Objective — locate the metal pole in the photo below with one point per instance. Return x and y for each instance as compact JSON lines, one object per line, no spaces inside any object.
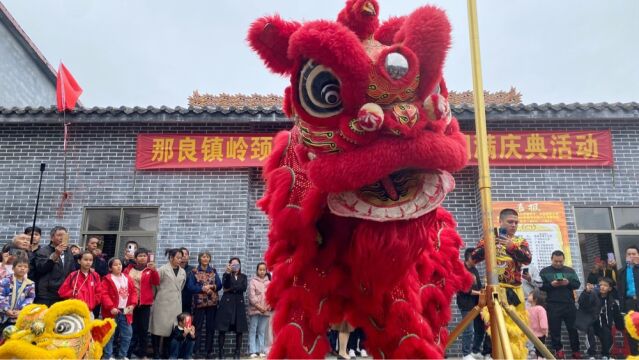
{"x":529,"y":334}
{"x":35,"y":214}
{"x":466,"y":321}
{"x":499,"y":336}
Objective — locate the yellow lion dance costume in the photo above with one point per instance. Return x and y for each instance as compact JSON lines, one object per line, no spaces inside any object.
{"x":63,"y":331}
{"x":632,"y":327}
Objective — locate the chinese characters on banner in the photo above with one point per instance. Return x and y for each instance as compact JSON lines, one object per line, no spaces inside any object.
{"x":545,"y":148}
{"x":517,"y":148}
{"x":193,"y":151}
{"x":543,"y":224}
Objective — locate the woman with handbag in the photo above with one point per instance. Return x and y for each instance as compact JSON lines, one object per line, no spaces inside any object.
{"x":203,"y":282}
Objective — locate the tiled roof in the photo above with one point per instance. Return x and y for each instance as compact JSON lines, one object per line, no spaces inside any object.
{"x":239,"y":100}
{"x":274,"y":114}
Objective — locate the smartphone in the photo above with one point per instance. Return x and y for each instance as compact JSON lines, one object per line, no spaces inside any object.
{"x":188,"y":322}
{"x":503,"y":232}
{"x":611,"y":257}
{"x":151,"y":257}
{"x":65,"y":238}
{"x":235,"y":267}
{"x":559,"y":276}
{"x":130,"y":249}
{"x":525,"y":270}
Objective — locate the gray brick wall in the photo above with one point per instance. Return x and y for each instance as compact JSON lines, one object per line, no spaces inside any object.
{"x":22,"y":82}
{"x":215,"y":209}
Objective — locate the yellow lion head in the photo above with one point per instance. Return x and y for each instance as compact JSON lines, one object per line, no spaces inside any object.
{"x":63,"y":331}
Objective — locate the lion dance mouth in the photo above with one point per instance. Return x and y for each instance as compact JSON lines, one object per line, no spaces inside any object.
{"x":403,"y":195}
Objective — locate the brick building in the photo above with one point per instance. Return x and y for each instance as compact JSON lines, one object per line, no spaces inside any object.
{"x":214,"y":209}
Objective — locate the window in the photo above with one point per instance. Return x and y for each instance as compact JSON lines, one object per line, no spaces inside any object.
{"x":115,"y":227}
{"x":605,"y":232}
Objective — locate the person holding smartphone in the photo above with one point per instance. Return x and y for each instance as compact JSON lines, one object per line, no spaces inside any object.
{"x":231,"y":313}
{"x":53,"y":263}
{"x":512,"y":253}
{"x":560,"y":282}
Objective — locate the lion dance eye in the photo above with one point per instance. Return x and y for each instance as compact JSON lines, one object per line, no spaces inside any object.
{"x":396,"y":65}
{"x":68,"y":324}
{"x":319,"y":91}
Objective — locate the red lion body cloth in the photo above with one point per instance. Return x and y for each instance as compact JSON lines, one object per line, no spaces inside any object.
{"x":353,"y":190}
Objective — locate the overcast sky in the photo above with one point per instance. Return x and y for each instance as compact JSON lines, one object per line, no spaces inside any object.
{"x":156,"y":52}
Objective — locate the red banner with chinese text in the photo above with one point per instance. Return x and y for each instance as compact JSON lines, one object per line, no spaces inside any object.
{"x":201,"y":151}
{"x":545,"y":148}
{"x":516,"y":148}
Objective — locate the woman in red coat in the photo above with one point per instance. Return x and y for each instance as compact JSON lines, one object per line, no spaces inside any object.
{"x":144,"y":276}
{"x":119,"y":298}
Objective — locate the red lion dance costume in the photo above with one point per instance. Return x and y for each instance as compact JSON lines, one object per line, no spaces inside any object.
{"x":354,"y":188}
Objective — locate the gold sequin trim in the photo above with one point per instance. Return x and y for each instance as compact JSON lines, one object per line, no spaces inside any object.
{"x":407,"y":337}
{"x":304,"y":346}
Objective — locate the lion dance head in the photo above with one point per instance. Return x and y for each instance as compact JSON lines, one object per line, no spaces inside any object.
{"x":63,"y":331}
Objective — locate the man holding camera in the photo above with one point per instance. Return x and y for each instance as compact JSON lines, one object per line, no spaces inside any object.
{"x":512,"y":253}
{"x":560,"y":282}
{"x":53,"y":263}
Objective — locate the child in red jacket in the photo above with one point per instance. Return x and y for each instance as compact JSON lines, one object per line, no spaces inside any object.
{"x":119,"y":298}
{"x":145,"y":277}
{"x":83,"y":284}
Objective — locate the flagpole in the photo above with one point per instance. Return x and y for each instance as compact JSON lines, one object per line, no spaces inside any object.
{"x":35,"y":213}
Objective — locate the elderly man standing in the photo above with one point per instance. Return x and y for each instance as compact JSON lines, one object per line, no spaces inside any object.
{"x":512,"y":253}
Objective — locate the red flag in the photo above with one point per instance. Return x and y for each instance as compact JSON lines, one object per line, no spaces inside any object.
{"x":67,"y":89}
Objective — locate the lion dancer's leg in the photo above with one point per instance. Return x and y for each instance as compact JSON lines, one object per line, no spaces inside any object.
{"x":516,"y":337}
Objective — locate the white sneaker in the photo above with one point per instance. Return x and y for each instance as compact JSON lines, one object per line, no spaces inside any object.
{"x":476,"y":355}
{"x":363,"y":353}
{"x":488,"y":357}
{"x":262,"y":355}
{"x":351,"y":353}
{"x":253,"y":356}
{"x":468,"y":357}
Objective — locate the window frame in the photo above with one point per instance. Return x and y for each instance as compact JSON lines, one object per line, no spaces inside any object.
{"x":613,"y":232}
{"x":85,"y":233}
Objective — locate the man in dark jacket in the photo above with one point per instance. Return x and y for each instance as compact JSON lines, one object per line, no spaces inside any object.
{"x":628,"y":289}
{"x":53,"y":263}
{"x":466,"y":301}
{"x":559,"y":282}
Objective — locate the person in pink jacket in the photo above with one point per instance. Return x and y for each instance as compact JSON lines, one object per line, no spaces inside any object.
{"x":259,"y":311}
{"x":537,"y":317}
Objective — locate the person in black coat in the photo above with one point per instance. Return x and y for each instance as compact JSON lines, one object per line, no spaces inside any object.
{"x":231,"y":312}
{"x":53,"y":263}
